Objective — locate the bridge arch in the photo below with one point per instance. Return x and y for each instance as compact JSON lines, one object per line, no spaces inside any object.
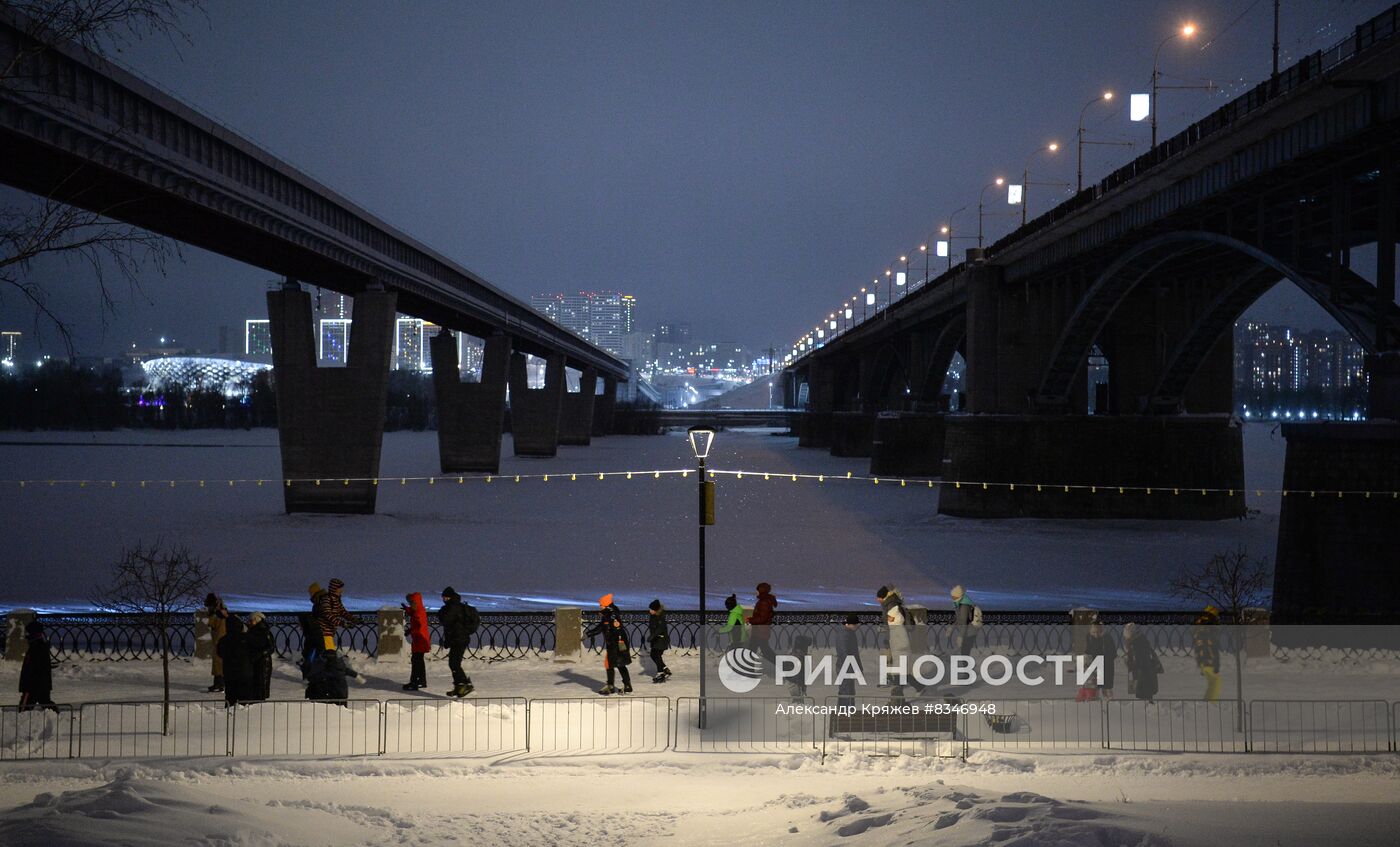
{"x":1350,"y":300}
{"x":889,"y":379}
{"x":934,"y":370}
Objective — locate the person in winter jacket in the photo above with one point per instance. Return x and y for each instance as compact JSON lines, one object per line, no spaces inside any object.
{"x":459,"y":620}
{"x":312,"y":641}
{"x":238,"y":663}
{"x":332,"y":615}
{"x":897,"y":622}
{"x":1205,"y":643}
{"x":261,"y":646}
{"x":735,"y":626}
{"x":659,"y":639}
{"x":216,"y":616}
{"x":847,"y":659}
{"x":963,"y":615}
{"x":761,"y":622}
{"x":617,"y":652}
{"x":1099,"y":644}
{"x":420,"y":640}
{"x":36,"y":673}
{"x":328,"y":680}
{"x":801,"y":646}
{"x":1140,"y":657}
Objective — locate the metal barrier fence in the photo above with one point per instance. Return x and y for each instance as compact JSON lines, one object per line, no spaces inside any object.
{"x":746,"y":725}
{"x":1182,"y":726}
{"x":600,"y":725}
{"x":458,"y":727}
{"x":142,"y":729}
{"x":44,"y":732}
{"x":867,"y":725}
{"x":1320,"y":726}
{"x":305,"y":728}
{"x":1061,"y":724}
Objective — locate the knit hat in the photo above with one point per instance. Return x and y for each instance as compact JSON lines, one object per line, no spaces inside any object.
{"x":852,"y":619}
{"x":255,"y":618}
{"x":764,"y":588}
{"x":314,"y":588}
{"x":335,"y":584}
{"x":211,"y":600}
{"x":605,"y":601}
{"x":957,"y":592}
{"x":449,"y":591}
{"x":654,"y":605}
{"x":33,"y":628}
{"x":1212,"y":611}
{"x":731,"y":601}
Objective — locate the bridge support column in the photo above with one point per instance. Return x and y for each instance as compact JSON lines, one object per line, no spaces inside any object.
{"x":1336,"y":555}
{"x":470,"y":415}
{"x":1027,"y":460}
{"x":1005,"y":345}
{"x":330,"y":421}
{"x":907,"y":444}
{"x":1383,"y":393}
{"x":576,"y":417}
{"x":815,"y":426}
{"x":535,"y":412}
{"x":603,"y":408}
{"x":852,"y":433}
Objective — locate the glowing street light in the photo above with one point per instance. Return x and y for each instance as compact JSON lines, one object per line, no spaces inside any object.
{"x":1026,"y":176}
{"x":981,"y":201}
{"x":1185,"y":32}
{"x":702,"y":438}
{"x":1105,"y":98}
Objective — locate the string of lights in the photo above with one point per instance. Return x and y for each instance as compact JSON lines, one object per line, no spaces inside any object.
{"x":914,"y":483}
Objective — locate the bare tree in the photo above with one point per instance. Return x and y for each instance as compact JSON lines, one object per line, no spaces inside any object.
{"x":1232,"y":582}
{"x":50,"y":228}
{"x":155,"y":584}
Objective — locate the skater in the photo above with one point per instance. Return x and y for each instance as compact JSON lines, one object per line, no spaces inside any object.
{"x":331,"y":614}
{"x":312,"y":641}
{"x":735,"y":626}
{"x":1205,"y":642}
{"x":420,"y":641}
{"x":216,"y":616}
{"x":459,"y":622}
{"x":617,"y":652}
{"x":36,"y":674}
{"x":761,"y":622}
{"x":897,"y":623}
{"x":966,"y":619}
{"x":238,"y":663}
{"x":659,"y":639}
{"x":328,"y":680}
{"x":1100,"y":644}
{"x":1140,"y":657}
{"x":847,"y":660}
{"x":260,"y":648}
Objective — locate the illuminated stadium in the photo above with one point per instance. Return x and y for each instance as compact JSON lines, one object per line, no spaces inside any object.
{"x":201,"y":372}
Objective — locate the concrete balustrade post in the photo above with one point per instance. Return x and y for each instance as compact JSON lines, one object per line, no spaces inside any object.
{"x":389,"y":623}
{"x":568,"y":634}
{"x":16,"y":643}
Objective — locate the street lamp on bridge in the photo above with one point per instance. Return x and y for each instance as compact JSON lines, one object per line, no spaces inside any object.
{"x":1105,"y":98}
{"x":1185,"y":32}
{"x":1026,"y":176}
{"x":981,"y":201}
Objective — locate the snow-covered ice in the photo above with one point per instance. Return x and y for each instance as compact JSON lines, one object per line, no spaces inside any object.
{"x":537,"y":544}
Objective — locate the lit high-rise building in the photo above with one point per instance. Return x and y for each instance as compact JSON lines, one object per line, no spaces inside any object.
{"x":601,"y":317}
{"x":409,"y":351}
{"x":257,"y":338}
{"x":9,"y":344}
{"x":333,"y":341}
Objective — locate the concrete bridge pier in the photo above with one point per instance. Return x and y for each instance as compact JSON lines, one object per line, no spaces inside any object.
{"x":535,"y":412}
{"x":1026,"y":461}
{"x":1336,"y":554}
{"x":471,"y":415}
{"x":815,"y":426}
{"x":576,"y":416}
{"x":907,"y":444}
{"x":330,"y":421}
{"x":604,"y":406}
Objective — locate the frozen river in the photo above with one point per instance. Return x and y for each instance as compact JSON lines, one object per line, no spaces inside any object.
{"x":536,"y":544}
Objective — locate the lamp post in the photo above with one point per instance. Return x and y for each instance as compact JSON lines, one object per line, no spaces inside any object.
{"x":889,"y":289}
{"x":948,"y":233}
{"x":1185,"y":32}
{"x":862,"y":304}
{"x":923,"y":248}
{"x":1026,"y":177}
{"x":1079,"y":180}
{"x":905,"y":260}
{"x":702,"y":438}
{"x":981,"y":201}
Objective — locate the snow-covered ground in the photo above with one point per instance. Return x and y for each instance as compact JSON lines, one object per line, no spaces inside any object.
{"x":537,"y":544}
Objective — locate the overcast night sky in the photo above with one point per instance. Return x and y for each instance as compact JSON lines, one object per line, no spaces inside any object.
{"x":743,"y":166}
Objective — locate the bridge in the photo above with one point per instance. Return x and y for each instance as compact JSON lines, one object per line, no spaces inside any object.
{"x":1150,"y":269}
{"x":80,"y":130}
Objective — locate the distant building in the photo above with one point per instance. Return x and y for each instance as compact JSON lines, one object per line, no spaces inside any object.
{"x":9,"y":345}
{"x":333,"y":341}
{"x":410,"y":353}
{"x":257,"y":338}
{"x":604,"y":318}
{"x":673,"y":333}
{"x":1280,"y":371}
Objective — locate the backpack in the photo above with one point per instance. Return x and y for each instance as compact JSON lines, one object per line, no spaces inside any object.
{"x":473,"y":618}
{"x":976,"y":615}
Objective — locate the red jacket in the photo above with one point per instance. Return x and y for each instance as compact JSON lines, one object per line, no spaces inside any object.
{"x":415,"y":619}
{"x":764,"y":606}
